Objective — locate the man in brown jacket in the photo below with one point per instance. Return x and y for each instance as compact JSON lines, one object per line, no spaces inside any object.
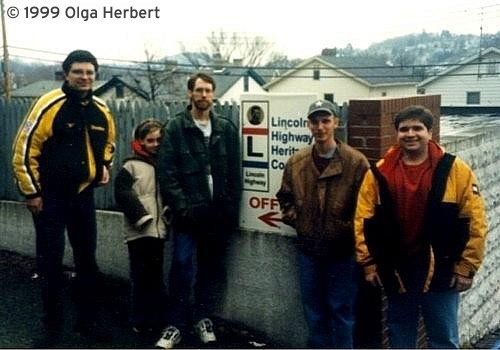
{"x":318,"y":198}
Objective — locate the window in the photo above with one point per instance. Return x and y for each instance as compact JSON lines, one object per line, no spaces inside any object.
{"x":120,"y":91}
{"x":329,"y":97}
{"x":245,"y":83}
{"x":473,"y":97}
{"x":491,"y":68}
{"x":316,"y":74}
{"x":384,"y":93}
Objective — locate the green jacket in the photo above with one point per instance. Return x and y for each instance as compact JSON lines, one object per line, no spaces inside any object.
{"x":183,"y":164}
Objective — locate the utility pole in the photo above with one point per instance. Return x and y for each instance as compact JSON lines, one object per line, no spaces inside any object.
{"x":6,"y":75}
{"x":479,"y":57}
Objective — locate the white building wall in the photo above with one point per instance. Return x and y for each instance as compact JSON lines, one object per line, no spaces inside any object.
{"x":342,"y":87}
{"x":453,"y":88}
{"x":394,"y":91}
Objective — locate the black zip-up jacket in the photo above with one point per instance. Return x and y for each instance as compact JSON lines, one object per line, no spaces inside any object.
{"x":183,"y":164}
{"x":63,"y":144}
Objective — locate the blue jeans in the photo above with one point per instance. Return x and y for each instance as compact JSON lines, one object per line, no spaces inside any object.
{"x":209,"y":252}
{"x":329,"y":291}
{"x":439,"y":310}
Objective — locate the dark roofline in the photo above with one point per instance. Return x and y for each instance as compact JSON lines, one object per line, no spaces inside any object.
{"x":117,"y":80}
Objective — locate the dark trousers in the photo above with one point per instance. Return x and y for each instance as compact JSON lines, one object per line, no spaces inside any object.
{"x":147,"y":281}
{"x":209,"y":251}
{"x":75,"y":214}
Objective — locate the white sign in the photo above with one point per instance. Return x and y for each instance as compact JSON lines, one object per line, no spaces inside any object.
{"x":273,"y":127}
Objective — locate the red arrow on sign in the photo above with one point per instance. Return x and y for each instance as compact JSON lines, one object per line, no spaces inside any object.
{"x":269,"y":218}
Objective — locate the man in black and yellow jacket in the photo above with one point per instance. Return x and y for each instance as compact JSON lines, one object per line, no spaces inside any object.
{"x":420,"y":229}
{"x":64,"y":148}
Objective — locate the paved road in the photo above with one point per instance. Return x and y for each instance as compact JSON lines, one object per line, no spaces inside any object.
{"x":20,"y":311}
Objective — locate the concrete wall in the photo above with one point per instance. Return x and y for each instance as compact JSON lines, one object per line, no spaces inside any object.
{"x":479,"y":307}
{"x":262,"y":289}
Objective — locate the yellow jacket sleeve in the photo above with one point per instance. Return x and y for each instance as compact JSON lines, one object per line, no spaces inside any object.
{"x":471,"y":205}
{"x":34,"y":130}
{"x":368,"y":198}
{"x":109,"y":150}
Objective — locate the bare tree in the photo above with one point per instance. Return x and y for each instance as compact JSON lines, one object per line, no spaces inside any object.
{"x":281,"y":61}
{"x":222,"y":45}
{"x":225,"y":47}
{"x":195,"y":59}
{"x":255,"y":50}
{"x":160,"y":77}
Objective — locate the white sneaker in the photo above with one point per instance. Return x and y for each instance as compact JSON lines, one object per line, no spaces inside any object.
{"x":205,"y":330}
{"x":170,"y":337}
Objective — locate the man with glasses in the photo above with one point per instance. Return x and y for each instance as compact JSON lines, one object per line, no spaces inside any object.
{"x":199,"y":172}
{"x":63,"y":150}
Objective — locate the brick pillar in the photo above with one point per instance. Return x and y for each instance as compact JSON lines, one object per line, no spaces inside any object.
{"x":370,"y":122}
{"x":371,"y":130}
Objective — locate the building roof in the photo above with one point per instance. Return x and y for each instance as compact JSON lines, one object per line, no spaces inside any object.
{"x":374,"y":71}
{"x":116,"y":80}
{"x":225,"y":79}
{"x":468,"y":60}
{"x":366,"y":70}
{"x":38,"y":88}
{"x":41,"y":87}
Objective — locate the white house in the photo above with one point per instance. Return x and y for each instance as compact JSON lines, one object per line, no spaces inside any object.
{"x":473,"y":82}
{"x":340,"y":79}
{"x":232,"y":82}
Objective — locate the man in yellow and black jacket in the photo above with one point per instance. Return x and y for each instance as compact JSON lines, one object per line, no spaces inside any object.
{"x":64,"y":148}
{"x":420,"y":229}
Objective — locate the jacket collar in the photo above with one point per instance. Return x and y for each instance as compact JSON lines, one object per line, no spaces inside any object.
{"x":336,"y":165}
{"x":188,"y":122}
{"x":388,"y":163}
{"x":74,"y":95}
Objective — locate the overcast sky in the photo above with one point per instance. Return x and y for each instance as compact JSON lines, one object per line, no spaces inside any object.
{"x":298,"y":29}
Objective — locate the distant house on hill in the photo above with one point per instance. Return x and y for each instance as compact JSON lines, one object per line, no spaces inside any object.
{"x":115,"y":88}
{"x":340,"y":79}
{"x":471,"y":85}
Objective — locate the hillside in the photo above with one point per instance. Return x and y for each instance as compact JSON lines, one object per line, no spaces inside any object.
{"x":431,"y":48}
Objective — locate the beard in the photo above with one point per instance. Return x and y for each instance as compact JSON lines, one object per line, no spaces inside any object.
{"x":202,"y":105}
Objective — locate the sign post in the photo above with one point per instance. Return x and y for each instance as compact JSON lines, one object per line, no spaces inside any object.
{"x":273,"y":127}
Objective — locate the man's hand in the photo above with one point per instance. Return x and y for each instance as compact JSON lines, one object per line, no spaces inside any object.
{"x":289,"y":216}
{"x":373,"y":278}
{"x":35,"y":205}
{"x":460,"y":283}
{"x":105,"y":176}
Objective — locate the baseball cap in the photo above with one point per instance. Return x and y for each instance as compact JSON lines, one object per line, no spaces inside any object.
{"x":323,"y":106}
